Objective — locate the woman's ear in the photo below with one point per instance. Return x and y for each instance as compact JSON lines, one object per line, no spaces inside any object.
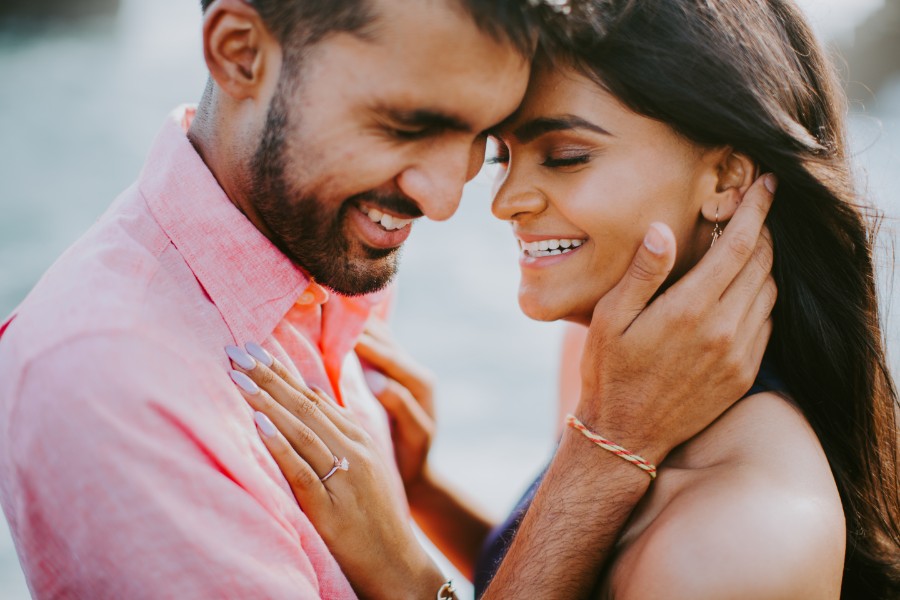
{"x":237,"y":47}
{"x":731,"y":175}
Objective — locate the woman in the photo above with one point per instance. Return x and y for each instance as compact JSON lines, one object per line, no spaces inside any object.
{"x":654,"y":110}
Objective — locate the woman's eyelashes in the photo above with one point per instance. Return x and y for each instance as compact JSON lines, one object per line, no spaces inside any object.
{"x":551,"y":156}
{"x":553,"y":162}
{"x":570,"y":160}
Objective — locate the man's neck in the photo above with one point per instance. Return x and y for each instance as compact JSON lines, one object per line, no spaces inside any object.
{"x":212,"y":142}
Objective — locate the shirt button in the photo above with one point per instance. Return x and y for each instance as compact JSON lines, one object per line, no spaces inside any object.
{"x":306,"y":298}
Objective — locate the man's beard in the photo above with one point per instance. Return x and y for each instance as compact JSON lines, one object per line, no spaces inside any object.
{"x":312,"y":232}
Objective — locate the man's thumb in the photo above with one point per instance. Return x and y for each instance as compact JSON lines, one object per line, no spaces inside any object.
{"x":648,"y":270}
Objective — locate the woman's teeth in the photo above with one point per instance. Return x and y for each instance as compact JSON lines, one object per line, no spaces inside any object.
{"x":549,"y":247}
{"x":385,"y":220}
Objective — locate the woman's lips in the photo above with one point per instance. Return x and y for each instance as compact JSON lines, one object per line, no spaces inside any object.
{"x":548,"y":251}
{"x":540,"y":248}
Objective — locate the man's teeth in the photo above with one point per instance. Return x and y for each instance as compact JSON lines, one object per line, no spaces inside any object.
{"x":549,"y":247}
{"x":387,"y":221}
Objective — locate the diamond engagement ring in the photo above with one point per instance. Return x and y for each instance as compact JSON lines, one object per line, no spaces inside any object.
{"x":340,"y":464}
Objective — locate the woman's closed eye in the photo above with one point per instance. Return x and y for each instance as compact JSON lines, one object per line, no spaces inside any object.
{"x":554,"y":159}
{"x":568,"y":157}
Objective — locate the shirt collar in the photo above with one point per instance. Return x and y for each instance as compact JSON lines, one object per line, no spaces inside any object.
{"x":251,"y":282}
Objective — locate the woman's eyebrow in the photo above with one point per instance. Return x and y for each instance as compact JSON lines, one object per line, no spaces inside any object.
{"x":535,"y":128}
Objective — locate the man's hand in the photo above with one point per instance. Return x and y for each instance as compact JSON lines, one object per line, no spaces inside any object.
{"x":655,"y":376}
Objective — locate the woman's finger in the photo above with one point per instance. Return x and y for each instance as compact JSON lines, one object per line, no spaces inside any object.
{"x":396,"y":364}
{"x":265,"y":357}
{"x":303,"y":403}
{"x":302,"y":478}
{"x":338,"y":414}
{"x":402,"y":407}
{"x":302,"y":438}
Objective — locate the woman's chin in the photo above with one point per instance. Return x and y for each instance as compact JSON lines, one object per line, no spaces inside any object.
{"x":541,"y":310}
{"x":537,"y":310}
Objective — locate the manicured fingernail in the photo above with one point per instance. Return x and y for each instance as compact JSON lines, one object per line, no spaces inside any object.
{"x":376,"y":380}
{"x":266,"y":426}
{"x":259,"y":353}
{"x":771,"y":183}
{"x":240,"y":358}
{"x":245,"y":383}
{"x":654,"y":240}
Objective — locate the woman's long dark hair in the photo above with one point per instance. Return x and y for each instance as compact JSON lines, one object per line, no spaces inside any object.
{"x":750,"y":74}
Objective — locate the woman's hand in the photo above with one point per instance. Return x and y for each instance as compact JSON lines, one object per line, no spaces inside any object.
{"x":356,"y":510}
{"x":406,"y":390}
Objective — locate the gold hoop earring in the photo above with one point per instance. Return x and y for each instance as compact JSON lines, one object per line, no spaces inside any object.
{"x":717,"y":231}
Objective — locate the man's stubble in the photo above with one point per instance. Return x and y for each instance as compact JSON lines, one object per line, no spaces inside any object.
{"x":310,"y":231}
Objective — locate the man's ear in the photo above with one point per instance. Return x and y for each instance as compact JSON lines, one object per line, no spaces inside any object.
{"x":731,"y":175}
{"x":238,"y":48}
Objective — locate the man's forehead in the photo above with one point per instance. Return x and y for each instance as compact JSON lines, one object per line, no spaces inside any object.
{"x":503,"y":21}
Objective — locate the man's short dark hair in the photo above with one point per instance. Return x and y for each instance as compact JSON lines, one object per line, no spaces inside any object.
{"x":305,"y":22}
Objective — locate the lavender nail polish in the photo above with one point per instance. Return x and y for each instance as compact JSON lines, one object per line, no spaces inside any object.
{"x":244,"y":382}
{"x":265,"y":425}
{"x":259,"y":353}
{"x":240,"y":358}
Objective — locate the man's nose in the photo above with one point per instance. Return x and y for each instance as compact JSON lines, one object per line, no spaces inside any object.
{"x":436,"y":180}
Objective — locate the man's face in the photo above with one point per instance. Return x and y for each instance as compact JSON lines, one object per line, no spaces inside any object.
{"x":366,"y":135}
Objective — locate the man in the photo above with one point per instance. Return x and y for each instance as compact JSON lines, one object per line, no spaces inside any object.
{"x":130,"y":463}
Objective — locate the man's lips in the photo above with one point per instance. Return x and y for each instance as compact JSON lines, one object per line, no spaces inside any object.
{"x":391,"y":221}
{"x":386,"y":233}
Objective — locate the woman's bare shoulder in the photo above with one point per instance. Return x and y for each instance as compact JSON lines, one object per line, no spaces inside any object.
{"x":748,"y":509}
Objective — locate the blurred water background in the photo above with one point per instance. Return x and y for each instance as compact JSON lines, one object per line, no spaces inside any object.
{"x":82,"y":96}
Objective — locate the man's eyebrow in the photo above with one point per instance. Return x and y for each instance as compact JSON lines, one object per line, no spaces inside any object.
{"x":535,"y":128}
{"x":428,"y":119}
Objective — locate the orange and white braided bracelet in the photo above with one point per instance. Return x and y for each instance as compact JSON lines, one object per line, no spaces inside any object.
{"x":646,"y":466}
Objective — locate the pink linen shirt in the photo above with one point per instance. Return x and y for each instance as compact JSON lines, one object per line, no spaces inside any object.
{"x":130,"y":466}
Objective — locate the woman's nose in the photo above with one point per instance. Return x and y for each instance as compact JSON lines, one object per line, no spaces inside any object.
{"x":516,"y":196}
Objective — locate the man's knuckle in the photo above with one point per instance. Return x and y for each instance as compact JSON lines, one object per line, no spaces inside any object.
{"x":761,"y":208}
{"x":742,"y":245}
{"x":689,"y":316}
{"x":643,"y":271}
{"x":723,"y":338}
{"x":762,"y":256}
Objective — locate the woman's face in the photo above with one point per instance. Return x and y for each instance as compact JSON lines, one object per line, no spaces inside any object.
{"x":581,"y":178}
